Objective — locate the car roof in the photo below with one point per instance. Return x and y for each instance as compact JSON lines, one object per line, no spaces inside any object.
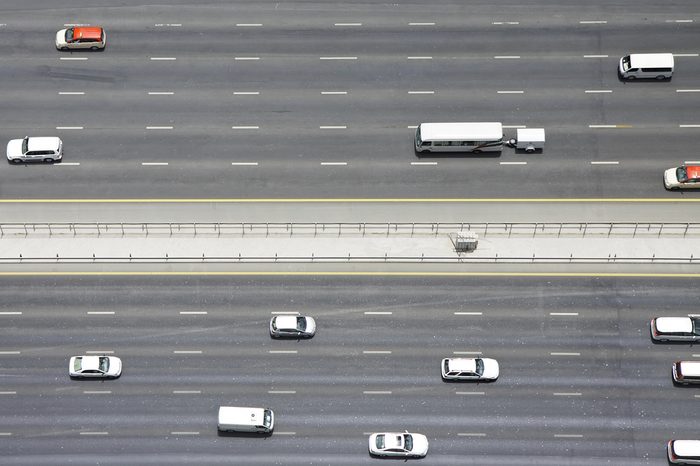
{"x":90,"y":363}
{"x":692,"y":367}
{"x":651,"y":60}
{"x":43,"y":143}
{"x":463,"y":364}
{"x":686,"y":447}
{"x":287,"y":321}
{"x":87,"y":32}
{"x":693,"y":171}
{"x":393,"y":440}
{"x":674,"y":324}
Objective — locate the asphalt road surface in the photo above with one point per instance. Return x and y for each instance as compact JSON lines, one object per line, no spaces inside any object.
{"x":318,"y":100}
{"x":581,"y":382}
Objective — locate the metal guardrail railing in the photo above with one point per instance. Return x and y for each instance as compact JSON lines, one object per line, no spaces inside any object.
{"x":610,"y":259}
{"x":360,"y":229}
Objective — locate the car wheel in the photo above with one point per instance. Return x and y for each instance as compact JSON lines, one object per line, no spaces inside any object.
{"x":64,"y":48}
{"x":476,"y":151}
{"x":631,"y":78}
{"x":16,"y":161}
{"x":94,"y":48}
{"x":48,"y":160}
{"x":660,"y":77}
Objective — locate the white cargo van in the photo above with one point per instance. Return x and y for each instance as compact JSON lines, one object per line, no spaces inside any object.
{"x":236,"y":419}
{"x":646,"y":66}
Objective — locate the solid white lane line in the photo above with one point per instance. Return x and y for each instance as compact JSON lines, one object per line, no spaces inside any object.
{"x":94,"y":433}
{"x":161,"y":93}
{"x":97,"y":392}
{"x":512,"y":163}
{"x":598,"y":91}
{"x":563,"y":313}
{"x":70,"y":93}
{"x":283,"y":351}
{"x":689,"y":126}
{"x":602,"y":126}
{"x":566,"y":394}
{"x":334,"y":164}
{"x":99,"y":352}
{"x":605,"y":162}
{"x":69,"y":127}
{"x":465,"y":313}
{"x":378,"y":313}
{"x":564,"y":354}
{"x":470,"y":393}
{"x":421,"y":92}
{"x":471,"y":434}
{"x":73,"y":58}
{"x":184,"y":433}
{"x":10,"y":352}
{"x":421,"y":24}
{"x":333,"y":127}
{"x":593,"y":22}
{"x":11,"y":313}
{"x":281,"y":392}
{"x":193,"y":313}
{"x":687,"y":90}
{"x":595,"y":56}
{"x":246,"y":93}
{"x":334,"y":92}
{"x":467,"y":352}
{"x":246,"y":58}
{"x":163,"y":58}
{"x":685,"y":54}
{"x":375,"y":352}
{"x":154,"y":164}
{"x":510,"y":92}
{"x":284,"y":312}
{"x":568,"y":435}
{"x":419,"y":58}
{"x":347,"y":24}
{"x":338,"y":58}
{"x":67,"y":164}
{"x":244,"y":164}
{"x":159,"y":127}
{"x":245,"y":127}
{"x":506,"y":57}
{"x":187,"y":351}
{"x":187,"y":392}
{"x":377,"y":392}
{"x":101,"y":313}
{"x":424,"y":163}
{"x":248,"y":25}
{"x":8,"y":393}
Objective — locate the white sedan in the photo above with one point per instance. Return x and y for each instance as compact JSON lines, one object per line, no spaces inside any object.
{"x":292,"y":326}
{"x":103,"y":367}
{"x":470,"y":369}
{"x":398,"y":444}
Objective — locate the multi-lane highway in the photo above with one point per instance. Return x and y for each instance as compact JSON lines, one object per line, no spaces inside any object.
{"x":581,"y":382}
{"x":319,"y":100}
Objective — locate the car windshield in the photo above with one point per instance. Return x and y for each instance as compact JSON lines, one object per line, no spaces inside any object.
{"x":696,"y":325}
{"x":25,"y":145}
{"x":479,"y":366}
{"x":77,"y":364}
{"x":380,"y":441}
{"x":408,"y":442}
{"x":301,"y":323}
{"x":104,"y":364}
{"x":681,"y":174}
{"x":626,"y":63}
{"x":69,"y":35}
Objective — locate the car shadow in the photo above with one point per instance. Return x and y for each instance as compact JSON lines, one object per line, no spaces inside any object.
{"x":244,"y":434}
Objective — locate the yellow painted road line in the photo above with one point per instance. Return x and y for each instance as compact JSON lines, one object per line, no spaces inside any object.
{"x":345,"y":274}
{"x":344,"y":200}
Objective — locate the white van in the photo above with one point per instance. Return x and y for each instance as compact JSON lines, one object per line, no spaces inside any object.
{"x":236,"y":419}
{"x":686,"y":372}
{"x":646,"y":66}
{"x":683,"y":451}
